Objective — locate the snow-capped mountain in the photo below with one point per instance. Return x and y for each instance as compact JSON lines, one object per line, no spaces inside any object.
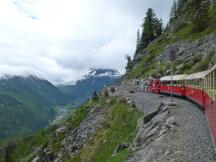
{"x":24,"y":76}
{"x":28,"y":101}
{"x":92,"y":73}
{"x":95,"y":80}
{"x":103,"y":73}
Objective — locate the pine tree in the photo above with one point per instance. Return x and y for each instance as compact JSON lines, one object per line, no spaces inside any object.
{"x":95,"y":96}
{"x":149,"y":24}
{"x":204,"y":7}
{"x":138,"y":43}
{"x":7,"y":152}
{"x":158,"y":27}
{"x":148,"y":28}
{"x":213,"y":3}
{"x":129,"y":61}
{"x":180,"y":5}
{"x":174,"y":9}
{"x":201,"y":11}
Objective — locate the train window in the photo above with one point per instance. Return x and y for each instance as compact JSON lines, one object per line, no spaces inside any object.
{"x":190,"y":82}
{"x":167,"y":83}
{"x":181,"y":83}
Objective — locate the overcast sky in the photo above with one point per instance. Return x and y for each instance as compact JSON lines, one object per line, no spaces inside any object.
{"x":61,"y":39}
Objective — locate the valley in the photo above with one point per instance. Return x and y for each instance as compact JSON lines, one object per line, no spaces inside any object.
{"x":160,"y":104}
{"x":29,"y":103}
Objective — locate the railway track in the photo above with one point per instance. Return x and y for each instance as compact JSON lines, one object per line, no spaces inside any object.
{"x":192,"y":142}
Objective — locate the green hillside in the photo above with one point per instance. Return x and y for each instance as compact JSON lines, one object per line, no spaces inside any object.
{"x":26,"y":105}
{"x":120,"y":126}
{"x":183,"y":28}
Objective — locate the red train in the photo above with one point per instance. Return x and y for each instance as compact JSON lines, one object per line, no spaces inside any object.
{"x":198,"y":87}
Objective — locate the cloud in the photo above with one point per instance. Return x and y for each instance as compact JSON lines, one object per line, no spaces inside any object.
{"x":61,"y":39}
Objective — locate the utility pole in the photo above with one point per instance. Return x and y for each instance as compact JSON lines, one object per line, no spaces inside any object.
{"x":172,"y":57}
{"x":171,"y":100}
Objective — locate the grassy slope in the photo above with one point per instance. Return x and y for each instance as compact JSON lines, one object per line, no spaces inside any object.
{"x":22,"y":146}
{"x":119,"y":127}
{"x":26,"y":145}
{"x":158,"y":46}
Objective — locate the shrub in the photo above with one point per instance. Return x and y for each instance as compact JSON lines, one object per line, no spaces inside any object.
{"x":112,"y":89}
{"x":106,"y":94}
{"x":95,"y":96}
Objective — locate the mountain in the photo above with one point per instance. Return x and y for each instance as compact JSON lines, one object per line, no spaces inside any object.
{"x":26,"y":104}
{"x":192,"y":39}
{"x":76,"y":139}
{"x":95,"y":80}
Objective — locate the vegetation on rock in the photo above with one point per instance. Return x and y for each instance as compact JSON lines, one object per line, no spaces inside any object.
{"x":118,"y":127}
{"x":183,"y":28}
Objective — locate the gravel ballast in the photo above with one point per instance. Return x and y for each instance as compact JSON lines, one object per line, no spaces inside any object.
{"x":190,"y":141}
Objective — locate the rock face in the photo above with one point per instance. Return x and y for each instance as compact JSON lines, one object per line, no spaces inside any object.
{"x":78,"y":138}
{"x":188,"y":51}
{"x":150,"y":134}
{"x":213,"y":61}
{"x":74,"y":139}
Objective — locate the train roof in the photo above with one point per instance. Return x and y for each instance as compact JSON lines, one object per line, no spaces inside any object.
{"x":199,"y":75}
{"x":175,"y":77}
{"x":212,"y":69}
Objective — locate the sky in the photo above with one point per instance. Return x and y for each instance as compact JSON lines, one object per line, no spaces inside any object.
{"x":60,"y":40}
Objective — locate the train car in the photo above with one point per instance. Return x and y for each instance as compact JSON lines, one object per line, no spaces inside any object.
{"x":154,"y":85}
{"x":176,"y":87}
{"x":209,"y":97}
{"x":194,"y":87}
{"x":199,"y":87}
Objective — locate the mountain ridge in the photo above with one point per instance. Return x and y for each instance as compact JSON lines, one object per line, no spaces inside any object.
{"x":31,"y":101}
{"x":27,"y":104}
{"x":95,"y":80}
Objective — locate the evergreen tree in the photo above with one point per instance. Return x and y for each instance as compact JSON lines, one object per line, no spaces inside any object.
{"x":148,"y":28}
{"x":138,"y":42}
{"x":95,"y":96}
{"x":180,"y":5}
{"x":174,"y":9}
{"x":129,"y":61}
{"x":213,"y":2}
{"x":158,"y":27}
{"x":7,"y":152}
{"x":152,"y":28}
{"x":201,"y":11}
{"x":201,"y":7}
